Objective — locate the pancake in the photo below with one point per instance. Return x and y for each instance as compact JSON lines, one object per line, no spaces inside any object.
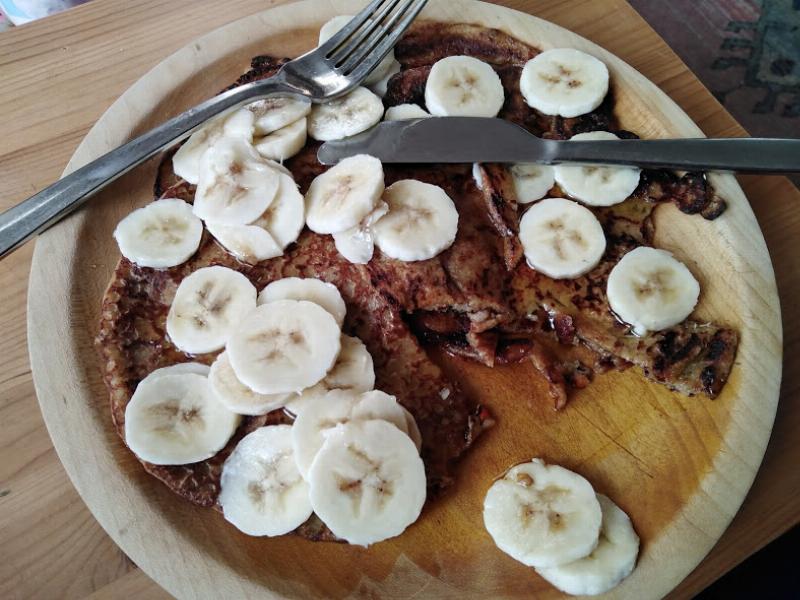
{"x":476,"y":299}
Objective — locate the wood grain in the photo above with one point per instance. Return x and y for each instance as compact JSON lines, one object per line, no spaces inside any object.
{"x":42,"y":52}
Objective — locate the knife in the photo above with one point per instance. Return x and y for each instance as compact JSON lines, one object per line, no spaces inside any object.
{"x":476,"y":139}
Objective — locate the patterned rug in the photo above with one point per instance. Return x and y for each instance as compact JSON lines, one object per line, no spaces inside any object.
{"x":747,"y":52}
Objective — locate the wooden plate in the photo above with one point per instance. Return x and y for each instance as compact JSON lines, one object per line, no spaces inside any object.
{"x":679,"y":466}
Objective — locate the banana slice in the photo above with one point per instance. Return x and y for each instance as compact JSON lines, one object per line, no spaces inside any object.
{"x":597,"y":185}
{"x":611,"y":562}
{"x":351,"y":114}
{"x":317,"y":291}
{"x":285,"y":217}
{"x":354,"y":369}
{"x":283,"y":143}
{"x":181,"y":368}
{"x":186,"y":161}
{"x":463,"y":86}
{"x":561,"y":238}
{"x":564,"y":82}
{"x":531,"y":182}
{"x":380,"y":87}
{"x":367,"y":482}
{"x":207,"y":305}
{"x":236,"y":184}
{"x":421,"y":222}
{"x":284,"y":346}
{"x":175,"y":419}
{"x":342,"y":196}
{"x":272,"y":114}
{"x":651,"y":290}
{"x":261,"y":491}
{"x":236,"y":396}
{"x":248,"y":243}
{"x":413,"y":429}
{"x":279,"y":167}
{"x":323,"y":412}
{"x":542,"y":515}
{"x":299,"y":402}
{"x":333,"y":26}
{"x":357,"y":244}
{"x":163,"y":234}
{"x":404,"y":112}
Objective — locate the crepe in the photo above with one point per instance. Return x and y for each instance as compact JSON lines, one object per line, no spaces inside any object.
{"x":476,"y":299}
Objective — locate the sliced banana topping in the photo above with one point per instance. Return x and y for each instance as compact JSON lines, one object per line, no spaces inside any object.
{"x":285,"y":216}
{"x":564,"y":82}
{"x":267,"y":236}
{"x":351,"y":114}
{"x":236,"y":396}
{"x":561,"y":238}
{"x":421,"y":222}
{"x":542,"y":515}
{"x":651,"y":290}
{"x":597,"y":185}
{"x":297,"y":403}
{"x":367,"y":482}
{"x":284,"y":142}
{"x":248,"y":243}
{"x":207,"y":305}
{"x":354,"y":369}
{"x":317,"y":291}
{"x":175,"y":419}
{"x":323,"y":412}
{"x":272,"y":114}
{"x":608,"y":564}
{"x":357,"y":244}
{"x":531,"y":181}
{"x":405,"y":112}
{"x":279,"y":167}
{"x":261,"y":491}
{"x":333,"y":26}
{"x":463,"y":86}
{"x":284,"y":346}
{"x":236,"y":125}
{"x":341,"y":197}
{"x":380,"y":87}
{"x":236,"y":184}
{"x":163,"y":234}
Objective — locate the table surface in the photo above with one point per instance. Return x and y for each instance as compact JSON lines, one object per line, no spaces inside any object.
{"x":60,"y":74}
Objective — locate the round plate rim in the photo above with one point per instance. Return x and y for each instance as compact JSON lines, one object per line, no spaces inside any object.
{"x":61,"y":241}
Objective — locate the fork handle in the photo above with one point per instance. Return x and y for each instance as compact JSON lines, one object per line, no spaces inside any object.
{"x":755,"y":155}
{"x":25,"y":220}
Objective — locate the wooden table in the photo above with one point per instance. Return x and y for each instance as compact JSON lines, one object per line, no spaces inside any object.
{"x":59,"y":75}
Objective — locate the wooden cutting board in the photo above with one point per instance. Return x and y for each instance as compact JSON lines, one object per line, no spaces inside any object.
{"x":500,"y":465}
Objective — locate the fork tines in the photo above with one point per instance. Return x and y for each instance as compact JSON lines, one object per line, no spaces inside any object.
{"x":361,"y":44}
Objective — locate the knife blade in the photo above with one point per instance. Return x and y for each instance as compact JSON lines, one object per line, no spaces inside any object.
{"x":477,"y":139}
{"x":439,"y":140}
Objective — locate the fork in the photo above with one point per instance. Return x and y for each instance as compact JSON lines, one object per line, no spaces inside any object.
{"x":333,"y":69}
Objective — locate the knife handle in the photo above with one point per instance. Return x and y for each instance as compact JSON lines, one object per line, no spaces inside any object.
{"x":755,"y":155}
